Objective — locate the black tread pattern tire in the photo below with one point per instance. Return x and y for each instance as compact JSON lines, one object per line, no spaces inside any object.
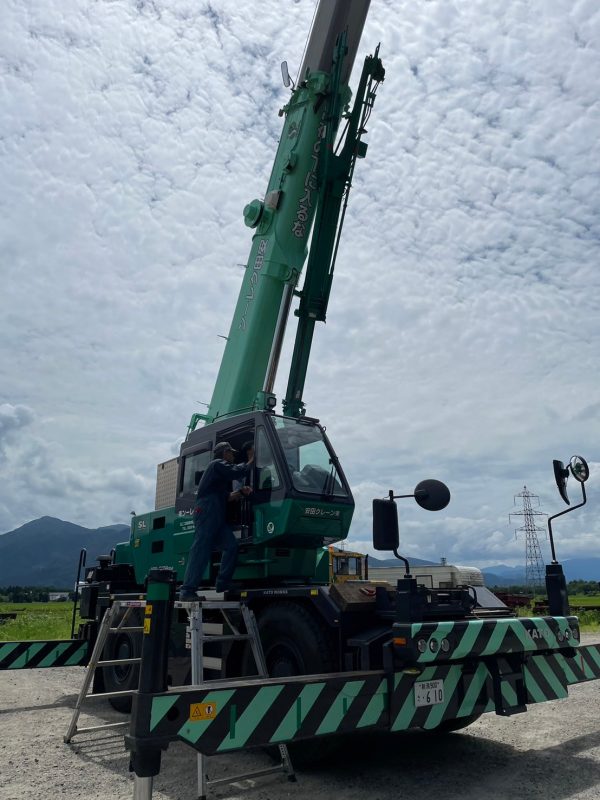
{"x":296,"y":642}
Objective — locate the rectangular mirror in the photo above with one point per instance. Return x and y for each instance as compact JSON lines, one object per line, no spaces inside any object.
{"x":385,"y":525}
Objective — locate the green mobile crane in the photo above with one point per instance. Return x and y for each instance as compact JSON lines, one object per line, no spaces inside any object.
{"x":301,"y":500}
{"x":345,"y":656}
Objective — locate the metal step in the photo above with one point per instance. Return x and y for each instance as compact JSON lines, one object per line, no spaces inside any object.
{"x":123,"y":693}
{"x":115,"y":661}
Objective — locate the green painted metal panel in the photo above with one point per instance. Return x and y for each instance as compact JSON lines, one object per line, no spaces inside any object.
{"x":242,"y":728}
{"x":339,"y":707}
{"x":278,"y":251}
{"x":472,"y":694}
{"x":466,"y":643}
{"x":377,"y":705}
{"x":78,"y":658}
{"x":557,"y":687}
{"x":27,"y":655}
{"x":44,"y":654}
{"x":7,"y":649}
{"x":566,"y":668}
{"x":160,"y":706}
{"x":293,"y":720}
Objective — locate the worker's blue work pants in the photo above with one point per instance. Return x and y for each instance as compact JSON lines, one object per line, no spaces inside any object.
{"x":212,"y":533}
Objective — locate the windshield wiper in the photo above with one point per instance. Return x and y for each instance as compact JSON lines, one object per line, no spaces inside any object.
{"x":329,"y":484}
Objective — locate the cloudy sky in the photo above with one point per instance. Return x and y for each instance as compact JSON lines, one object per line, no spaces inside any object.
{"x":463,"y":334}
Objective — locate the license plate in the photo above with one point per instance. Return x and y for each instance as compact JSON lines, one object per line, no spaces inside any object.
{"x":429,"y":693}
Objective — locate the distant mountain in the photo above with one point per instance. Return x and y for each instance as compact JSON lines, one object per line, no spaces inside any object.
{"x":575,"y":569}
{"x":45,"y":552}
{"x":377,"y":563}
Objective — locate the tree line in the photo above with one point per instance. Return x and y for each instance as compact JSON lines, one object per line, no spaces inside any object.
{"x":573,"y":587}
{"x":30,"y":594}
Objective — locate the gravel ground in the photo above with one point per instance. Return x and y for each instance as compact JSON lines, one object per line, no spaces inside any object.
{"x":551,"y":752}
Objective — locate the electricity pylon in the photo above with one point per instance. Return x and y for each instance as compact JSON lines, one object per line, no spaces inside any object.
{"x":534,"y":563}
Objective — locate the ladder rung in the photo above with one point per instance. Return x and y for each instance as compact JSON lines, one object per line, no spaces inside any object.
{"x":212,"y":628}
{"x":227,"y":637}
{"x":210,"y":662}
{"x":102,"y":727}
{"x":124,"y":693}
{"x":257,"y":773}
{"x":115,"y":661}
{"x":211,"y":604}
{"x":138,"y":628}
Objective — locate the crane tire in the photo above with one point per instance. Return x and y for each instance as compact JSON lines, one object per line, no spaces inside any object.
{"x":296,"y":642}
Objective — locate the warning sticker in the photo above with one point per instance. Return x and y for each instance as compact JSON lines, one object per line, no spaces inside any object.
{"x":201,"y":711}
{"x":149,"y":609}
{"x":147,"y":624}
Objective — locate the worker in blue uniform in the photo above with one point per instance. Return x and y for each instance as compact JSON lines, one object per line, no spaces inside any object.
{"x":211,"y":529}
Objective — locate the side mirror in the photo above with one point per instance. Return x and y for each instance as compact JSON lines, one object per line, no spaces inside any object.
{"x":386,"y":535}
{"x":285,"y":75}
{"x":561,"y":475}
{"x":579,"y":470}
{"x":432,"y":495}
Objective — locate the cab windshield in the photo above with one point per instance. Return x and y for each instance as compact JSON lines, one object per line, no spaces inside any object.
{"x":308,"y":458}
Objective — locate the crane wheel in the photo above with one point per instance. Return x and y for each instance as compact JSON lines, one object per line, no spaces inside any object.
{"x":296,"y":642}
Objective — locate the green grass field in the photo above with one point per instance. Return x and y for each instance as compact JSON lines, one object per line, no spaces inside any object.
{"x":585,"y":600}
{"x":36,"y":621}
{"x":53,"y":620}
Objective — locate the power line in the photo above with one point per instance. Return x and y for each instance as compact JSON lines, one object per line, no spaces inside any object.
{"x":534,"y":563}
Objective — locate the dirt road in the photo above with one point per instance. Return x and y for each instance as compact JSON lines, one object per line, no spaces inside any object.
{"x":551,"y":752}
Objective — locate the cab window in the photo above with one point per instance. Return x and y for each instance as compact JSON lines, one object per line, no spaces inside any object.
{"x":266,"y":475}
{"x":193,"y":469}
{"x":309,"y":460}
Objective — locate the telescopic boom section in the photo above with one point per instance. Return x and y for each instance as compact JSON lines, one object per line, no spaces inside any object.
{"x":283,"y":220}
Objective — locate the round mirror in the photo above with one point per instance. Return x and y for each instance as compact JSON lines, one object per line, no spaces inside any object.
{"x":432,"y":495}
{"x":579,"y":469}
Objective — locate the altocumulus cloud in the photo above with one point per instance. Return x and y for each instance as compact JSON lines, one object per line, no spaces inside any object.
{"x":463,"y":331}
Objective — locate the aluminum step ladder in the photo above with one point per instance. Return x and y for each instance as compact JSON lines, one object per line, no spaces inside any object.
{"x":107,"y":628}
{"x":204,"y":632}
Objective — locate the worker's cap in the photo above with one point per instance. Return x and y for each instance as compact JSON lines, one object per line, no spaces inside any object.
{"x":221,"y":447}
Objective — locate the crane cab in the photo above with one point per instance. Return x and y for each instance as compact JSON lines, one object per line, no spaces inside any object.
{"x":300,"y":500}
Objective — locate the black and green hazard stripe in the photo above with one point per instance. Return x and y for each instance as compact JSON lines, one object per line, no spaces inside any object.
{"x":469,"y":688}
{"x":583,"y":666}
{"x":252,"y":713}
{"x":257,"y":713}
{"x":36,"y":655}
{"x":426,"y":643}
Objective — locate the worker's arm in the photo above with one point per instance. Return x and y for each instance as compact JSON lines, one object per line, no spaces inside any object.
{"x":243,"y":491}
{"x":233,"y":471}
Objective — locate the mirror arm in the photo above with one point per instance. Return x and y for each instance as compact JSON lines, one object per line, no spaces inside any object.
{"x":566,"y":511}
{"x":401,"y":558}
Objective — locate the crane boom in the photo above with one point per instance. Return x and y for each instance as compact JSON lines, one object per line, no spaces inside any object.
{"x":283,"y":221}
